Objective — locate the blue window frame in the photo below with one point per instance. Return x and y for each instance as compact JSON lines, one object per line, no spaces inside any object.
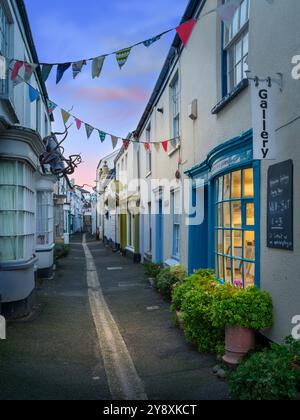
{"x":235,"y":227}
{"x":176,"y":224}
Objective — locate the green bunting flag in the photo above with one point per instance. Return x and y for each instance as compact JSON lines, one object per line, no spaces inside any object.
{"x":89,"y":130}
{"x":102,"y":136}
{"x":122,"y":56}
{"x":51,"y":106}
{"x":46,"y":70}
{"x":77,"y":67}
{"x":97,"y":66}
{"x":174,"y":143}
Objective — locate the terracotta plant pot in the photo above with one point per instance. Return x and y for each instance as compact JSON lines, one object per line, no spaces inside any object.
{"x":239,"y":341}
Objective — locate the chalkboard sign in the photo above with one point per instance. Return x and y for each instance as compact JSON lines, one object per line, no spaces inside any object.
{"x":280,"y":206}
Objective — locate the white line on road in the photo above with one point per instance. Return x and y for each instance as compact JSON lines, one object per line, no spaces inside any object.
{"x":123,"y":379}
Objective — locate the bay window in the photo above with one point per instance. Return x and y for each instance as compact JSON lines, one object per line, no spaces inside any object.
{"x":17,"y":211}
{"x":44,"y":218}
{"x":235,"y":228}
{"x":236,"y":46}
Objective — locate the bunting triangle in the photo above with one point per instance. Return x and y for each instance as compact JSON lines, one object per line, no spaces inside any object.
{"x":184,"y":31}
{"x":157,"y":146}
{"x":33,"y":94}
{"x":78,"y":123}
{"x":126,"y":144}
{"x":122,"y":56}
{"x":147,"y":147}
{"x":102,"y":136}
{"x":29,"y":69}
{"x":61,"y":69}
{"x":65,"y":116}
{"x":151,"y":41}
{"x":174,"y":143}
{"x":89,"y":130}
{"x":17,"y":67}
{"x":165,"y":145}
{"x":77,"y":67}
{"x":114,"y":141}
{"x":46,"y":70}
{"x":51,"y":106}
{"x":97,"y":66}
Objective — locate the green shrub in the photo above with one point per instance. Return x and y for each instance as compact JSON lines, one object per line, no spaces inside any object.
{"x":168,"y":277}
{"x":61,"y":251}
{"x":266,"y":376}
{"x":248,"y":308}
{"x":152,"y":270}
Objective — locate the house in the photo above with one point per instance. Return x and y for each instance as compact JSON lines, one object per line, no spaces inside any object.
{"x":203,"y":100}
{"x":26,"y":193}
{"x":62,"y":212}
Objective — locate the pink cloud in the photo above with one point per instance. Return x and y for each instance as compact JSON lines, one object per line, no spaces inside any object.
{"x":97,"y":94}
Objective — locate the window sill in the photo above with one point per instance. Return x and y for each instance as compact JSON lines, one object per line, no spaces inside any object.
{"x":230,"y":97}
{"x":173,"y":261}
{"x":172,"y":152}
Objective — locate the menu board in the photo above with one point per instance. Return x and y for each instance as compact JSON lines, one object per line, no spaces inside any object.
{"x":280,"y":206}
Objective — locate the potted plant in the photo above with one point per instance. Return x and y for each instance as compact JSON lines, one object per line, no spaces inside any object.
{"x":241,"y":312}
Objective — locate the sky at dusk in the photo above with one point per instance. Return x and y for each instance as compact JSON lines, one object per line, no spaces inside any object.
{"x":68,"y":30}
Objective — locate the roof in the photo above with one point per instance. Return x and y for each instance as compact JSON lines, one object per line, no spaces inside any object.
{"x":26,"y":24}
{"x":193,"y":9}
{"x":109,"y":159}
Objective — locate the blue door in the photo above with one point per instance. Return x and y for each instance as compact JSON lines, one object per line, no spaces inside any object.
{"x":159,"y":233}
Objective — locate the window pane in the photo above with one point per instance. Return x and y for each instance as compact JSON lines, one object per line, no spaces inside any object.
{"x":237,"y":243}
{"x":248,"y":183}
{"x":227,"y":186}
{"x":8,"y":198}
{"x":221,"y":268}
{"x":238,"y":51}
{"x":237,"y":214}
{"x":227,"y":222}
{"x":220,"y":241}
{"x":8,"y":223}
{"x":238,"y":73}
{"x":244,"y":12}
{"x":220,"y":215}
{"x":228,"y":270}
{"x":238,"y":271}
{"x":249,"y":245}
{"x":237,"y":184}
{"x":249,"y":274}
{"x":220,"y":192}
{"x":227,"y":242}
{"x":7,"y":249}
{"x":250,"y":214}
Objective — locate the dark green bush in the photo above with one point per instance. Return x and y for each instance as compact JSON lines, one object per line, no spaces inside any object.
{"x":168,"y":277}
{"x":267,"y":375}
{"x":152,"y":270}
{"x":61,"y":251}
{"x":248,"y":308}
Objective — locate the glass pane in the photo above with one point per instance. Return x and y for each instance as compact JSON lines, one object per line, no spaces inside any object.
{"x":220,"y":241}
{"x":228,"y":272}
{"x":248,"y":183}
{"x":238,"y":51}
{"x":245,"y":44}
{"x":227,"y":242}
{"x":221,"y":269}
{"x":244,"y":12}
{"x":237,"y":244}
{"x":227,"y":221}
{"x":220,"y":188}
{"x":237,"y":184}
{"x":249,"y":245}
{"x":238,"y":73}
{"x":238,"y":272}
{"x":7,"y":173}
{"x":237,"y":214}
{"x":8,"y":223}
{"x":235,"y":23}
{"x":7,"y":249}
{"x":250,"y":214}
{"x":8,"y":198}
{"x":227,"y":186}
{"x":220,"y":215}
{"x":249,"y":274}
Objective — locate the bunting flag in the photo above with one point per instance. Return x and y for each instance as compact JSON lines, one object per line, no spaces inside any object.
{"x":78,"y":123}
{"x":33,"y":94}
{"x":126,"y":144}
{"x":89,"y":130}
{"x":46,"y":70}
{"x":29,"y":69}
{"x":97,"y":66}
{"x":122,"y":56}
{"x":165,"y":145}
{"x":151,"y":41}
{"x":184,"y":31}
{"x":147,"y":147}
{"x":227,"y":11}
{"x":102,"y":136}
{"x":61,"y":69}
{"x":17,"y":81}
{"x":174,"y":143}
{"x":51,"y":106}
{"x":157,"y":146}
{"x":114,"y":141}
{"x":65,"y":116}
{"x":77,"y":67}
{"x":17,"y":67}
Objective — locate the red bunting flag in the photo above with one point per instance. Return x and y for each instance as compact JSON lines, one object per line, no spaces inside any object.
{"x":78,"y":123}
{"x":147,"y":147}
{"x":184,"y":31}
{"x":15,"y":72}
{"x":165,"y":145}
{"x":126,"y":144}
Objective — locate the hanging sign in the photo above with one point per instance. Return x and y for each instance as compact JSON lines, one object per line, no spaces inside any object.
{"x":263,"y":121}
{"x":280,"y":206}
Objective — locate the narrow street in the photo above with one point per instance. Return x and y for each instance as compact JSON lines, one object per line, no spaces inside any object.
{"x":101,"y":332}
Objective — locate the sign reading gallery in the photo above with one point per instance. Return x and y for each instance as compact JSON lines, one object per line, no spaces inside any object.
{"x":263,"y":116}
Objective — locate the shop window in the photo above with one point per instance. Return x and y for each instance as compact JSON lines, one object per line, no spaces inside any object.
{"x":17,"y":211}
{"x":44,"y":218}
{"x":235,"y":228}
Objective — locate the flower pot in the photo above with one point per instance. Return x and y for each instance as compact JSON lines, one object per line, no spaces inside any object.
{"x":239,"y":341}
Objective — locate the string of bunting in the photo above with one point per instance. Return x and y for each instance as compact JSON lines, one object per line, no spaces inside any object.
{"x":34,"y":94}
{"x":226,"y":12}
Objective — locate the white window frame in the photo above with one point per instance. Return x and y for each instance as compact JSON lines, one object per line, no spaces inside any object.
{"x":148,"y":152}
{"x":236,"y":46}
{"x":175,"y":109}
{"x":44,"y":199}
